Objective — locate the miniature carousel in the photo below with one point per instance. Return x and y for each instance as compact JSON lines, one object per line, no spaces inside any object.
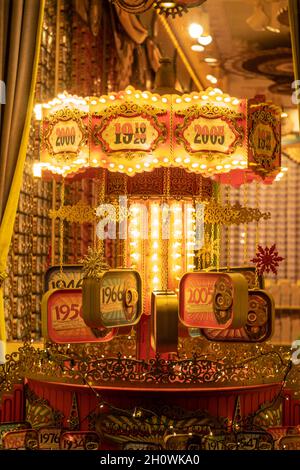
{"x":152,"y":339}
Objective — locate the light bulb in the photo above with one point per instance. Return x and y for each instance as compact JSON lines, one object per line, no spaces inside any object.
{"x":195,"y":30}
{"x":197,"y":48}
{"x":205,"y":40}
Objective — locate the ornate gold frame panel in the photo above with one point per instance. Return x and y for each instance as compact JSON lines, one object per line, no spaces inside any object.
{"x":63,"y":115}
{"x":128,"y":109}
{"x":210,"y":111}
{"x":262,"y":114}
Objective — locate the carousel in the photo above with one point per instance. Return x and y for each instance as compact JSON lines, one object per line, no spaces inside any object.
{"x":152,"y":339}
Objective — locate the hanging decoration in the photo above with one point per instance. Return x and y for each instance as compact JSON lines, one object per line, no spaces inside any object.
{"x":134,"y":6}
{"x":259,"y":324}
{"x":172,"y":8}
{"x":93,"y":265}
{"x":134,"y":131}
{"x":232,"y":214}
{"x":267,"y":259}
{"x":62,"y":320}
{"x":112,"y":299}
{"x":177,"y":7}
{"x":164,"y":319}
{"x":213,"y":300}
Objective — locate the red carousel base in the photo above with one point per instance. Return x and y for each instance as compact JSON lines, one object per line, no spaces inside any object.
{"x":218,"y":402}
{"x":144,"y":414}
{"x":122,"y":415}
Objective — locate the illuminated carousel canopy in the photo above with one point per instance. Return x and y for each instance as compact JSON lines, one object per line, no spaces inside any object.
{"x":132,"y":131}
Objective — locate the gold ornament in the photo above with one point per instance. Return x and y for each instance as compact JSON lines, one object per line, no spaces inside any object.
{"x":232,"y":214}
{"x":93,"y":264}
{"x":80,"y":212}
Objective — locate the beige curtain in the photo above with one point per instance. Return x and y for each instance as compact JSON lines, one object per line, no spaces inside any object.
{"x":20,"y":33}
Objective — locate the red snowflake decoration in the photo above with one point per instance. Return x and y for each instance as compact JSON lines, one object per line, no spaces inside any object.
{"x":267,"y":259}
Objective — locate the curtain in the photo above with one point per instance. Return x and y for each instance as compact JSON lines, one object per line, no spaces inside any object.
{"x":294,"y":19}
{"x":20,"y":36}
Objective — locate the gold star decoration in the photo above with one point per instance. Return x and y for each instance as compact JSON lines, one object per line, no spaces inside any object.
{"x":93,"y":264}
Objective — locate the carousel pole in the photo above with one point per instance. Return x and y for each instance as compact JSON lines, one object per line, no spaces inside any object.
{"x":57,"y":40}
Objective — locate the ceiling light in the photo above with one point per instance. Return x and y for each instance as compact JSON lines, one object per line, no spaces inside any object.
{"x":272,"y":29}
{"x":168,"y":4}
{"x":211,"y":78}
{"x":195,"y":30}
{"x":210,"y":60}
{"x":205,"y":40}
{"x":197,"y":48}
{"x":284,"y":115}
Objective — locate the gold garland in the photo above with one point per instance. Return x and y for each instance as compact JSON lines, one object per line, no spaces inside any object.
{"x":80,"y":212}
{"x":232,"y":214}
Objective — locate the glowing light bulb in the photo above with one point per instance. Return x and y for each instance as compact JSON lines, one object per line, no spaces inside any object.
{"x":38,"y":112}
{"x":37,"y":170}
{"x":197,"y":48}
{"x":205,"y":40}
{"x":211,"y":78}
{"x":168,"y":4}
{"x":195,"y":30}
{"x":210,"y":60}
